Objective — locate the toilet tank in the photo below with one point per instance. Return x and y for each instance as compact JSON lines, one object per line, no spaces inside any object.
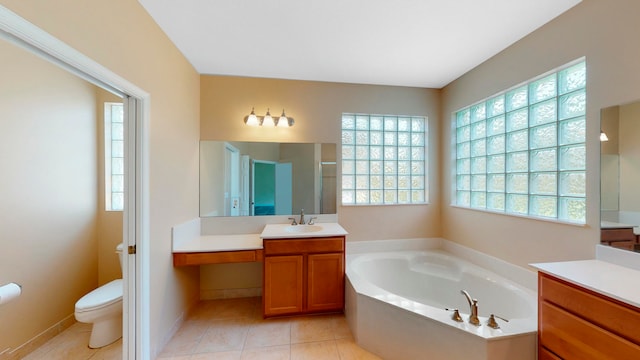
{"x":120,"y":251}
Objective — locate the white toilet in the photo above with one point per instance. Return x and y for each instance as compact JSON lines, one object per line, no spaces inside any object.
{"x":103,"y":308}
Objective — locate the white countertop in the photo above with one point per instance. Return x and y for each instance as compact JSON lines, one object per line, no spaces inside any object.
{"x":281,"y":231}
{"x":603,"y":277}
{"x":211,"y":243}
{"x":614,"y":225}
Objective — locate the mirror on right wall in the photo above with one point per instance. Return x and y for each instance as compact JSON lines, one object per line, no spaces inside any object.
{"x":620,"y":176}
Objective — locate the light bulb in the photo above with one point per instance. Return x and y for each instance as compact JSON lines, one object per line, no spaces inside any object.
{"x":252,"y":119}
{"x":603,"y":136}
{"x":283,"y":121}
{"x":268,"y":120}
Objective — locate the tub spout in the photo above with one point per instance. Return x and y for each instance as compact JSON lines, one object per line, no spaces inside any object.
{"x":473,"y":307}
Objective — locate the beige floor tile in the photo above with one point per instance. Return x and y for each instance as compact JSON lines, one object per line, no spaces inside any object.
{"x":224,"y":335}
{"x":270,"y":332}
{"x":186,"y":339}
{"x":72,"y":343}
{"x":231,"y":329}
{"x":340,"y":327}
{"x":227,"y":309}
{"x":320,"y":350}
{"x":109,"y":352}
{"x":311,"y":328}
{"x":224,"y":355}
{"x":282,"y":352}
{"x":349,"y":350}
{"x":179,"y":357}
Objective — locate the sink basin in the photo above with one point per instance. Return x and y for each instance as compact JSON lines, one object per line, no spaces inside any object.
{"x":288,"y":231}
{"x":303,"y":228}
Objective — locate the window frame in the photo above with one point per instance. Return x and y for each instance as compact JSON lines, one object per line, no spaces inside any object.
{"x":460,"y":169}
{"x":415,"y":190}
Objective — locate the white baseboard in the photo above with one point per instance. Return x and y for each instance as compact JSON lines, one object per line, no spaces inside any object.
{"x":38,"y":340}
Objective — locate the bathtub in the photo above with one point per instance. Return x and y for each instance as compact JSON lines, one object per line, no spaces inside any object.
{"x":396,"y":300}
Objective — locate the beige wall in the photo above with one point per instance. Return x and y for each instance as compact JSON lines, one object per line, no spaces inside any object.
{"x":609,"y":123}
{"x":317,"y":108}
{"x":630,"y":157}
{"x":211,"y":178}
{"x":606,"y":33}
{"x":48,"y":187}
{"x":109,"y":222}
{"x":121,"y":36}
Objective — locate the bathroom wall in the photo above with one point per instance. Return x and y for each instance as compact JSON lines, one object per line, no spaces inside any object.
{"x":48,"y":187}
{"x":109,"y":222}
{"x":610,"y":164}
{"x":630,"y":157}
{"x":317,"y":108}
{"x":121,"y":36}
{"x":606,"y":32}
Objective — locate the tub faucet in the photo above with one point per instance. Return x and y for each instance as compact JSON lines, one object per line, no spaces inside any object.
{"x":473,"y":306}
{"x":301,"y":222}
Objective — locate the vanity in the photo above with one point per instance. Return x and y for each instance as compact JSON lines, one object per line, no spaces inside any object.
{"x":303,"y":265}
{"x":303,"y":269}
{"x":618,"y":235}
{"x":588,"y":309}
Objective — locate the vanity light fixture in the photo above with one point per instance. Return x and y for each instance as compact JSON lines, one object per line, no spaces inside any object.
{"x":267,"y":120}
{"x":252,"y":119}
{"x":603,"y":136}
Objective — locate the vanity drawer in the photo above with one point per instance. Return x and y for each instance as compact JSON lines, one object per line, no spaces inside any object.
{"x":571,"y":337}
{"x":604,"y":312}
{"x":299,"y":246}
{"x":617,"y":235}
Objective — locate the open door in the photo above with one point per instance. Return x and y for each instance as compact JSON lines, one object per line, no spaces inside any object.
{"x":284,"y":188}
{"x":271,"y":192}
{"x":231,"y":180}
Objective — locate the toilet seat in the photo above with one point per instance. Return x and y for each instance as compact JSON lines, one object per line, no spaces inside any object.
{"x":101,"y":297}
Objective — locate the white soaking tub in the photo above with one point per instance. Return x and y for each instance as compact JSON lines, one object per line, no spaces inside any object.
{"x":395,"y":306}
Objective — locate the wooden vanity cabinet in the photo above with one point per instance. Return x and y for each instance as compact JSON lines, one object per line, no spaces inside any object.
{"x":303,"y":276}
{"x":577,"y":323}
{"x":623,"y":238}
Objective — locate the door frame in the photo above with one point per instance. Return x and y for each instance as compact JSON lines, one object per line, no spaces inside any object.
{"x":136,"y":294}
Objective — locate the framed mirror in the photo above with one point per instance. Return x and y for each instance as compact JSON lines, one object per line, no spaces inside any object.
{"x":620,"y":176}
{"x":266,"y":178}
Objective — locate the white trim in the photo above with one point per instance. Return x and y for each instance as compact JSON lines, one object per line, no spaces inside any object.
{"x":27,"y":35}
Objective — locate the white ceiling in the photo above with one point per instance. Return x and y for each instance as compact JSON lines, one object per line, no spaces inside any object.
{"x":422,"y":43}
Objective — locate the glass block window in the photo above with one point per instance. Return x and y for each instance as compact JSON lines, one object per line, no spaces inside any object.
{"x":114,"y":156}
{"x":384,"y":159}
{"x":523,"y":151}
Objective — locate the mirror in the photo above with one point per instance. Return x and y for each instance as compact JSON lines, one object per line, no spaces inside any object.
{"x":620,"y":176}
{"x":262,"y":178}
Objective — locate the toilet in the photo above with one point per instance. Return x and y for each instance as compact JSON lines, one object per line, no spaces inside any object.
{"x":102,"y":307}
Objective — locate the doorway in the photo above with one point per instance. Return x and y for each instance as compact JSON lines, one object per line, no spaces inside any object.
{"x":271,"y":184}
{"x":135,"y":228}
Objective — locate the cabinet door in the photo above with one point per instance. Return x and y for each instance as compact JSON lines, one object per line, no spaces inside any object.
{"x":283,"y":286}
{"x":544,"y":354}
{"x":325,"y":282}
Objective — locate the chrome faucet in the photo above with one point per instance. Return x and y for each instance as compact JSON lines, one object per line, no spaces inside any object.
{"x":301,"y":222}
{"x":473,"y":306}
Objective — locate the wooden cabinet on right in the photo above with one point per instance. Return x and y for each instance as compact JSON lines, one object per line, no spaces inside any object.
{"x":577,"y":323}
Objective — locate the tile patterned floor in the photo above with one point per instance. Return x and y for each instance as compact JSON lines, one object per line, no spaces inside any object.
{"x":73,"y":344}
{"x":231,"y":329}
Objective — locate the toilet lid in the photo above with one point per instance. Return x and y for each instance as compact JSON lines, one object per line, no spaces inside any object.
{"x":106,"y":294}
